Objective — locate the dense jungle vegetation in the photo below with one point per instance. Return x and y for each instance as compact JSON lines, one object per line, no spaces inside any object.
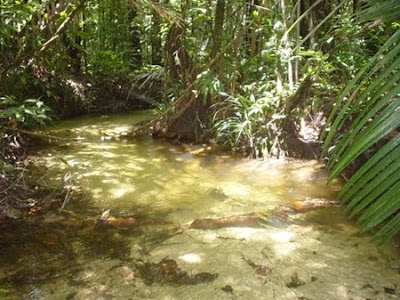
{"x":272,"y":78}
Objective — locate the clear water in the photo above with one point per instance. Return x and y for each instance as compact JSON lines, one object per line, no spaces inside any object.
{"x":153,"y":190}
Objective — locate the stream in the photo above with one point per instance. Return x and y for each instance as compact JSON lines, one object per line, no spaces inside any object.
{"x":152,"y":219}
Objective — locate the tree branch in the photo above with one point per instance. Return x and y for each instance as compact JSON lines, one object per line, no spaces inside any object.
{"x":61,"y":29}
{"x":30,"y":56}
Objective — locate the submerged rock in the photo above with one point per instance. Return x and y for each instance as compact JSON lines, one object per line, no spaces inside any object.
{"x":295,"y":281}
{"x":216,"y":193}
{"x":168,"y":272}
{"x":227,"y":289}
{"x":389,"y":291}
{"x":260,"y":270}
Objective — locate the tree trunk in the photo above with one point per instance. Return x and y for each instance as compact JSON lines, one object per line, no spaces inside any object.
{"x":135,"y":39}
{"x":304,"y":28}
{"x":218,"y":27}
{"x":298,"y":30}
{"x":177,"y":60}
{"x":84,"y":42}
{"x":156,"y":53}
{"x":252,"y":31}
{"x":72,"y":46}
{"x":287,"y":46}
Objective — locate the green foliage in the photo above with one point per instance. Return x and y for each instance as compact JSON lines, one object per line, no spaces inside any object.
{"x":347,"y":47}
{"x":98,"y":45}
{"x":161,"y":108}
{"x":107,"y":62}
{"x":249,"y":124}
{"x":387,"y":10}
{"x":6,"y":169}
{"x":207,"y":85}
{"x":27,"y":113}
{"x":364,"y":118}
{"x":319,"y":67}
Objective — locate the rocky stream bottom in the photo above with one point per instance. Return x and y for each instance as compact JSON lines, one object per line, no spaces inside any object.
{"x":252,"y":256}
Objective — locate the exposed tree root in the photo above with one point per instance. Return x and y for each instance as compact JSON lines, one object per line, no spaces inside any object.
{"x":45,"y":136}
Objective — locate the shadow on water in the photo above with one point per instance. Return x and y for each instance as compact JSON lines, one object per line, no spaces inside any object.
{"x":45,"y":248}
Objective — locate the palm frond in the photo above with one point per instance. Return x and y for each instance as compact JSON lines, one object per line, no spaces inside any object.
{"x":388,"y":10}
{"x":367,"y":111}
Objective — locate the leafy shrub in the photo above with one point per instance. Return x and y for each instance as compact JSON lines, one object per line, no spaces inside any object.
{"x":207,"y":84}
{"x":27,"y":113}
{"x":250,"y":124}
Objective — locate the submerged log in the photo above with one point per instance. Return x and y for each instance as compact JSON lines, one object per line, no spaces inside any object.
{"x":70,"y":219}
{"x":248,"y":220}
{"x":117,"y":222}
{"x":254,"y":219}
{"x":301,"y":206}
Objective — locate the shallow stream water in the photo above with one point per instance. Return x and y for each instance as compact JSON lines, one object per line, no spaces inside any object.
{"x":127,"y":231}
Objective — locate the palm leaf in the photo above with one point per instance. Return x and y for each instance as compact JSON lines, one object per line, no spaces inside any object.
{"x":387,"y":10}
{"x":390,"y":229}
{"x":337,"y":118}
{"x":368,"y":110}
{"x":376,"y":163}
{"x":371,"y":108}
{"x":376,"y":185}
{"x":384,"y":123}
